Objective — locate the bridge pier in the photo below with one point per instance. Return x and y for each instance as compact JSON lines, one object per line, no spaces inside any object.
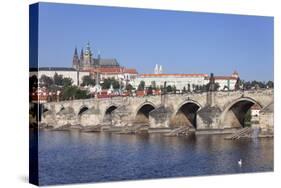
{"x":160,"y":117}
{"x":208,"y":117}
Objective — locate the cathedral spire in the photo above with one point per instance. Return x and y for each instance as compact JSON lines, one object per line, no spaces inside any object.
{"x":82,"y":55}
{"x":75,"y":51}
{"x":75,"y":60}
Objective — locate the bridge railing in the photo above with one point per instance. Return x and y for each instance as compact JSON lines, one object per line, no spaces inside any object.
{"x":120,"y":98}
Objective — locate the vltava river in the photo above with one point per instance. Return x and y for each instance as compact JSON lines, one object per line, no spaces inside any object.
{"x":76,"y":157}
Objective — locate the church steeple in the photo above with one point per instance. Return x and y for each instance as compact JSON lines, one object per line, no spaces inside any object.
{"x":75,"y":60}
{"x":81,"y":55}
{"x":87,"y":61}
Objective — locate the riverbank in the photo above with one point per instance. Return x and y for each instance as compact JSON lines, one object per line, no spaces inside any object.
{"x":230,"y":134}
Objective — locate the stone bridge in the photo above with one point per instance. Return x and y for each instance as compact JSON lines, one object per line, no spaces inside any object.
{"x":202,"y":111}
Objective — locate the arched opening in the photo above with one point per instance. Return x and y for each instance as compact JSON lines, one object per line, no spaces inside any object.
{"x":66,"y":110}
{"x":142,"y":115}
{"x":61,"y":109}
{"x":108,"y":113}
{"x":45,"y":110}
{"x":82,"y":110}
{"x":186,"y":115}
{"x":238,"y":114}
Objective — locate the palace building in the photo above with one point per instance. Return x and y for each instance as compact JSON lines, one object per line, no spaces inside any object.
{"x":184,"y":81}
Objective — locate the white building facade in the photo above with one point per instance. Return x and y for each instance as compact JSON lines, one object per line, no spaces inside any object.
{"x":180,"y":81}
{"x":185,"y":81}
{"x":65,"y":72}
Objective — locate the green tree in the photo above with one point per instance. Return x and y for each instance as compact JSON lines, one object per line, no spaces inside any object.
{"x":270,"y":84}
{"x":73,"y":92}
{"x":184,"y":90}
{"x":238,"y":84}
{"x":169,"y":88}
{"x":69,"y":92}
{"x":58,"y":79}
{"x":88,"y":81}
{"x":110,"y":81}
{"x":141,"y":86}
{"x":46,"y":80}
{"x":81,"y":94}
{"x":129,"y":88}
{"x":67,"y":82}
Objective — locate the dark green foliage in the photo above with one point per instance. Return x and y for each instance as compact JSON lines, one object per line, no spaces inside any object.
{"x":270,"y":84}
{"x":238,"y":84}
{"x":141,"y":86}
{"x":129,"y":87}
{"x":67,"y":82}
{"x":257,"y":84}
{"x":169,"y":88}
{"x":46,"y":80}
{"x":58,"y":79}
{"x":73,"y":92}
{"x":88,"y":81}
{"x":110,"y":81}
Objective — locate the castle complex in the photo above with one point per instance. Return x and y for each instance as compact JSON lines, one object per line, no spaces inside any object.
{"x":86,"y":63}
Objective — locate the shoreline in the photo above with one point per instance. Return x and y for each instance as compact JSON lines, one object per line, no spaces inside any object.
{"x":130,"y":130}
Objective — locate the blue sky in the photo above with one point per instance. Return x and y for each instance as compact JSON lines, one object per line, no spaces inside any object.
{"x":182,"y":42}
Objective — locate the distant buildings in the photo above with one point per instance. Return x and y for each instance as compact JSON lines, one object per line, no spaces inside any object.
{"x":103,"y":68}
{"x":184,"y":81}
{"x":64,"y":71}
{"x":99,"y":68}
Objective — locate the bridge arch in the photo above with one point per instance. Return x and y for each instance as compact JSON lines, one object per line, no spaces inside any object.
{"x":185,"y":114}
{"x":61,"y":108}
{"x":82,"y":110}
{"x":142,"y":112}
{"x":108,"y":112}
{"x":66,"y":110}
{"x":45,"y":109}
{"x":234,"y":113}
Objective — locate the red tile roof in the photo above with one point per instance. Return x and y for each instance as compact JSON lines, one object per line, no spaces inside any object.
{"x":114,"y":70}
{"x":222,"y":78}
{"x":174,"y":75}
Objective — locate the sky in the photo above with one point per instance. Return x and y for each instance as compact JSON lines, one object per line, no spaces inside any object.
{"x":180,"y":41}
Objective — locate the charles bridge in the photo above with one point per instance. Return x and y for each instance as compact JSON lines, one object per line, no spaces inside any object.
{"x":202,"y":111}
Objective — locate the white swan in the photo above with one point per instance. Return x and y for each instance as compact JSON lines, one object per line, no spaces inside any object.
{"x":240,"y":162}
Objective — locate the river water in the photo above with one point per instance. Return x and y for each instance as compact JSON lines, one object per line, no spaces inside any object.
{"x":77,"y":157}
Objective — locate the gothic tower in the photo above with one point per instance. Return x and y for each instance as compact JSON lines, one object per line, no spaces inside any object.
{"x":81,"y":59}
{"x":87,"y":59}
{"x":75,"y":61}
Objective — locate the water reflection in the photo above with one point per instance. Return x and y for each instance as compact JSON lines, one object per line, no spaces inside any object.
{"x":72,"y":157}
